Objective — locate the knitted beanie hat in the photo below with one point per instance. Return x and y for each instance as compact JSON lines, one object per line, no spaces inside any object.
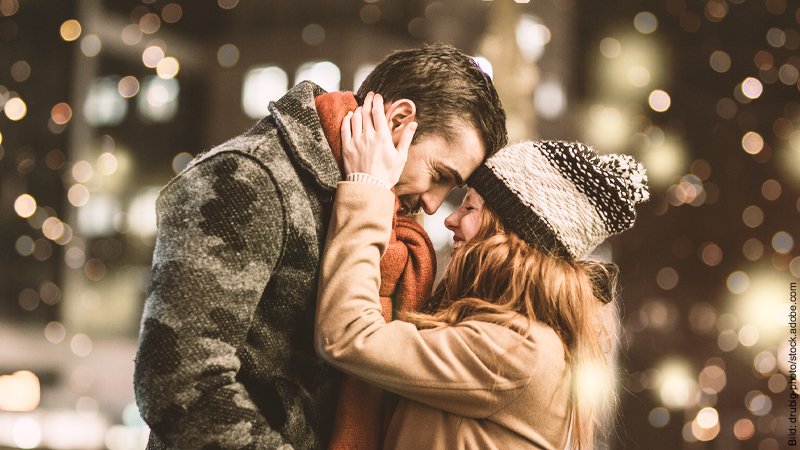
{"x":562,"y":196}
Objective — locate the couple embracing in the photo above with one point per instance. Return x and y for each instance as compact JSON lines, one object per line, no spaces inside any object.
{"x":292,"y":302}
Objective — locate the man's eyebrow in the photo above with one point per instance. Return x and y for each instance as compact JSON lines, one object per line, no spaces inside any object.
{"x":452,"y":172}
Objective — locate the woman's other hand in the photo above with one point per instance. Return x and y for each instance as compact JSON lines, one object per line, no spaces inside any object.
{"x":367,"y":145}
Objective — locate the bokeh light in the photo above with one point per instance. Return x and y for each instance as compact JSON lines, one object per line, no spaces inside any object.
{"x":15,"y":109}
{"x":720,"y":61}
{"x":171,"y":13}
{"x":752,"y":142}
{"x":645,"y":22}
{"x":228,"y":55}
{"x":128,"y":86}
{"x":61,"y":113}
{"x":676,"y":385}
{"x":152,"y":56}
{"x":25,"y":205}
{"x":659,"y":100}
{"x":168,"y":67}
{"x":70,"y":30}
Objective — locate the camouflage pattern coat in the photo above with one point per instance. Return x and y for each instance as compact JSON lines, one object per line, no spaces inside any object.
{"x":226,"y":357}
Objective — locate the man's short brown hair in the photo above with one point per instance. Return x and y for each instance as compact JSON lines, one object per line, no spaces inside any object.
{"x":446,"y":85}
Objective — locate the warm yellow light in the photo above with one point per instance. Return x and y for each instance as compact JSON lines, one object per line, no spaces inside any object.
{"x":52,"y":228}
{"x":665,"y":162}
{"x":167,"y":68}
{"x":752,"y":142}
{"x":659,"y":100}
{"x":761,"y":302}
{"x":752,"y":88}
{"x":712,"y":379}
{"x":152,"y":55}
{"x":608,"y":129}
{"x":82,"y":171}
{"x":19,"y":391}
{"x":70,"y":30}
{"x":78,"y":195}
{"x":639,"y":76}
{"x":744,"y":429}
{"x":107,"y":163}
{"x":676,"y":385}
{"x":15,"y":109}
{"x":25,"y":205}
{"x":610,"y":47}
{"x":594,"y":383}
{"x":705,"y":425}
{"x":707,"y":417}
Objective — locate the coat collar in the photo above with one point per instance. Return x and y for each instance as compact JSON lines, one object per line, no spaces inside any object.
{"x":298,"y":124}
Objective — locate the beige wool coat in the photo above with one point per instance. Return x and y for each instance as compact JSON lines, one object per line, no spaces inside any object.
{"x":476,"y":385}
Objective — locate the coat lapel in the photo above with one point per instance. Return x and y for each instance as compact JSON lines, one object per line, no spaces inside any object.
{"x":299,"y":125}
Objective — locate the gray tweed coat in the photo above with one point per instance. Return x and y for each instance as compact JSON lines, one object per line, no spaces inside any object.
{"x":226,"y":357}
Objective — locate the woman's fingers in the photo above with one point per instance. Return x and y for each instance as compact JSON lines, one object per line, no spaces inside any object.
{"x":346,"y":133}
{"x":356,"y":123}
{"x":379,"y":115}
{"x":366,"y":114}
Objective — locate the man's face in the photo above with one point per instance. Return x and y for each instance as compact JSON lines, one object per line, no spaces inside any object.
{"x":436,"y":165}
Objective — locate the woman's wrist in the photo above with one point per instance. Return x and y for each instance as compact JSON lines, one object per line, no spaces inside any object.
{"x":361,"y":177}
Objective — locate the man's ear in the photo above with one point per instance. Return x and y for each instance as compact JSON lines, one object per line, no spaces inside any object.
{"x":400,"y":112}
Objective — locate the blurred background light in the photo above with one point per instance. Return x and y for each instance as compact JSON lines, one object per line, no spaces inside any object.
{"x":159,"y":99}
{"x":659,"y":100}
{"x":363,"y":70}
{"x":228,"y":55}
{"x":645,"y":22}
{"x":532,"y":36}
{"x":15,"y":109}
{"x":664,"y":161}
{"x":142,"y":212}
{"x":482,"y":62}
{"x":25,"y":205}
{"x":676,"y":384}
{"x":167,"y":68}
{"x":70,"y":30}
{"x":550,"y":99}
{"x":608,"y":129}
{"x":324,"y":73}
{"x":103,"y":105}
{"x":261,"y":86}
{"x":19,"y":391}
{"x":91,"y":45}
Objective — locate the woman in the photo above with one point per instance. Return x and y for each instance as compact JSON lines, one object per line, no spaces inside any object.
{"x":516,"y":347}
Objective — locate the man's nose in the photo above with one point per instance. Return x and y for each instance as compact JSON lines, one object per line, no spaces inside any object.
{"x":431,"y":202}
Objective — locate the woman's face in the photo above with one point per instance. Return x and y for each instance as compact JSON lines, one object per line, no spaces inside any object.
{"x":466,"y":220}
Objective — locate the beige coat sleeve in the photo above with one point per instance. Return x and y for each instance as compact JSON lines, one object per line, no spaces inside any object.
{"x":466,"y":369}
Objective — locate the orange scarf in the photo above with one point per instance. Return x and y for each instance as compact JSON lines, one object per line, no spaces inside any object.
{"x":407,"y":271}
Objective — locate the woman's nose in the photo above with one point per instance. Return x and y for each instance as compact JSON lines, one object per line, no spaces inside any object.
{"x":451,"y":222}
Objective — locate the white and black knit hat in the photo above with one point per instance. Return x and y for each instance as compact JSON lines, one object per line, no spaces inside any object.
{"x":562,"y":196}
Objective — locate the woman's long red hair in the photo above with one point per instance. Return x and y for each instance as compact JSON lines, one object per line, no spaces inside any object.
{"x":497,"y":272}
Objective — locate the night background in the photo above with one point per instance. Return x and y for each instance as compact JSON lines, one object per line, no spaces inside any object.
{"x":104,"y":101}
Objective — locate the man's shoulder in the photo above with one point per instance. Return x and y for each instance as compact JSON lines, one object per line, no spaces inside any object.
{"x":261,"y":143}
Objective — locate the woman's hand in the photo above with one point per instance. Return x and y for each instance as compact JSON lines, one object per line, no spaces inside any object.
{"x":367,"y":145}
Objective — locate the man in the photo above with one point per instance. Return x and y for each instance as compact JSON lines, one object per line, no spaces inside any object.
{"x":226,"y":356}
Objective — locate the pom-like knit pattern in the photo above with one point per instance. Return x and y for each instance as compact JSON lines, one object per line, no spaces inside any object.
{"x":562,"y":196}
